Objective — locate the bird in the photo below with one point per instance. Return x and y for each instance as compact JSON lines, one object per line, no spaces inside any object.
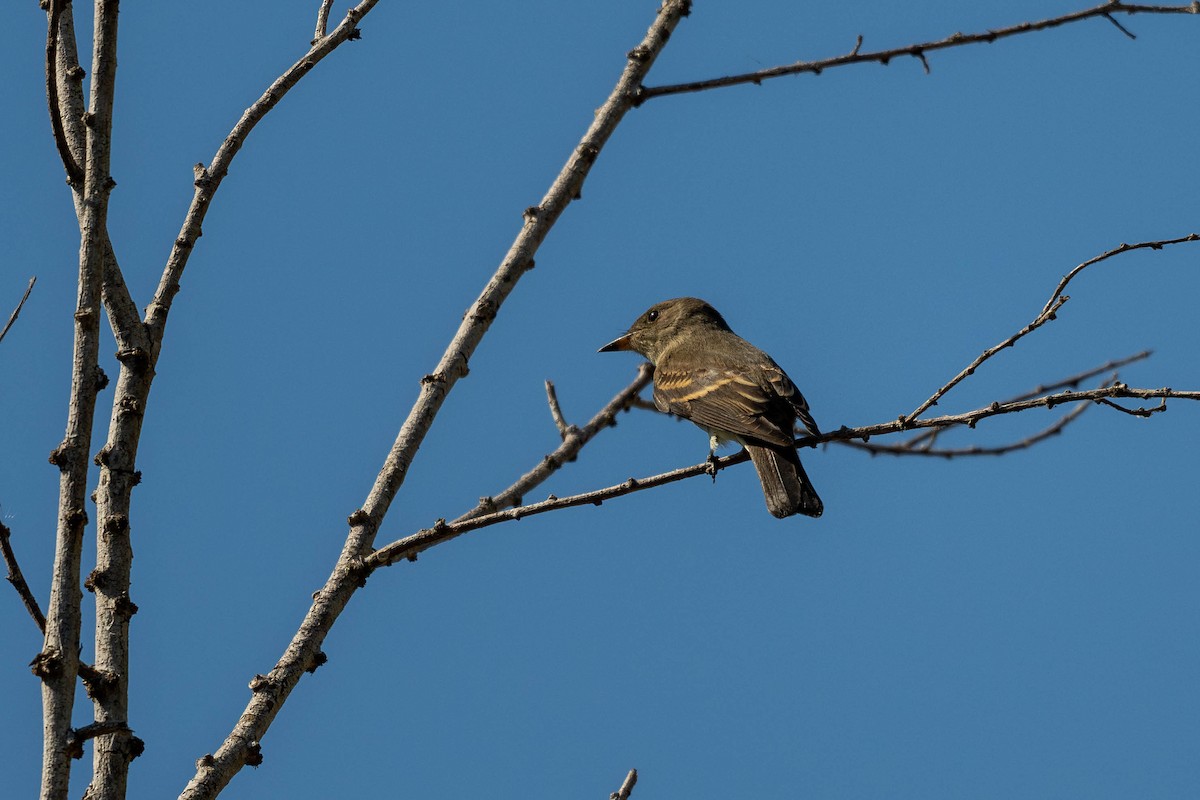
{"x":706,"y":373}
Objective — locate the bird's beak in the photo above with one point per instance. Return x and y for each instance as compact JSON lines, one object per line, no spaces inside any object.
{"x":621,"y":343}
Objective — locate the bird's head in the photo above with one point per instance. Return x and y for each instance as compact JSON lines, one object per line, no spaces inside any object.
{"x":662,"y":324}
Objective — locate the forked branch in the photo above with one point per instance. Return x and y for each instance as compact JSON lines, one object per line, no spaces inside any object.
{"x":573,"y":441}
{"x":444,"y":531}
{"x":926,"y":448}
{"x":1048,"y":312}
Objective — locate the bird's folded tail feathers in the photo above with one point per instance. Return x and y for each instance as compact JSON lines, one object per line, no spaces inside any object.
{"x":785,"y":485}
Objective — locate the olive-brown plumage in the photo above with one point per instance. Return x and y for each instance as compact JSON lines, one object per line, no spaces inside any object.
{"x":706,"y":373}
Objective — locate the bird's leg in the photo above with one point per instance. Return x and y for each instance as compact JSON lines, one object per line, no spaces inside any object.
{"x":711,"y":469}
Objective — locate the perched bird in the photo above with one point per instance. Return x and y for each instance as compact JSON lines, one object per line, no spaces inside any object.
{"x":705,"y":372}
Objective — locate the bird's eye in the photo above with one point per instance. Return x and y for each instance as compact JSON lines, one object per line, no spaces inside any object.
{"x":652,"y":316}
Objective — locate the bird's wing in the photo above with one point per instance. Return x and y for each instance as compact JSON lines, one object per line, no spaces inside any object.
{"x":784,"y":387}
{"x":730,"y":401}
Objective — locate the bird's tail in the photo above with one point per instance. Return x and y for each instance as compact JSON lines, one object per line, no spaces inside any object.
{"x":785,"y":485}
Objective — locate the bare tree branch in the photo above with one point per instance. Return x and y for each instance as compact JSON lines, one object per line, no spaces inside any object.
{"x":303,"y":653}
{"x":133,"y":340}
{"x":17,"y":579}
{"x":75,"y":740}
{"x":110,"y":580}
{"x":970,"y":418}
{"x":88,"y":673}
{"x":626,"y":787}
{"x":1135,"y":412}
{"x":913,"y":447}
{"x":69,"y":85}
{"x":917,"y":51}
{"x":64,"y":76}
{"x":1116,"y":251}
{"x":539,"y":219}
{"x":923,"y":442}
{"x":58,"y":662}
{"x":573,"y":442}
{"x":17,"y":311}
{"x":1119,"y":26}
{"x":1048,"y":312}
{"x":74,"y":171}
{"x":67,"y":122}
{"x":1073,"y":381}
{"x":208,"y":179}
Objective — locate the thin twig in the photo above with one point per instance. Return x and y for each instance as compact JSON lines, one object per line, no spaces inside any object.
{"x":208,"y":179}
{"x":1116,"y":251}
{"x":77,"y":736}
{"x":322,"y":20}
{"x":606,"y":417}
{"x":1072,"y":381}
{"x":443,"y":531}
{"x":1048,"y":312}
{"x":17,"y":311}
{"x":17,"y":579}
{"x":1135,"y":412}
{"x":626,"y":787}
{"x":566,"y":452}
{"x":1038,"y":321}
{"x":912,"y":448}
{"x":556,"y":411}
{"x":970,"y":418}
{"x":87,"y":672}
{"x":1119,"y":26}
{"x":917,"y":51}
{"x":927,"y":437}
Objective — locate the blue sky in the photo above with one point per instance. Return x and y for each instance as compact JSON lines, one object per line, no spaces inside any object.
{"x":988,"y":628}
